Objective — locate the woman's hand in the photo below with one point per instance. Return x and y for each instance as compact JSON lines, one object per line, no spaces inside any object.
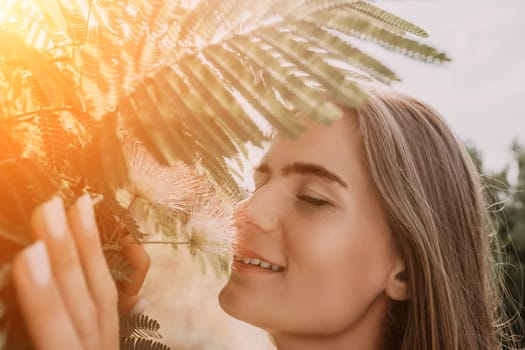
{"x":67,"y":295}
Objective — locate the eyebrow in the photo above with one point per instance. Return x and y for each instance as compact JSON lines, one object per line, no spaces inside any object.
{"x":305,"y":169}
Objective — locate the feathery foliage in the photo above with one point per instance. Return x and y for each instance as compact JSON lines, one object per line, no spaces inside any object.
{"x":185,"y":79}
{"x":134,"y":343}
{"x":139,"y":325}
{"x":138,"y":332}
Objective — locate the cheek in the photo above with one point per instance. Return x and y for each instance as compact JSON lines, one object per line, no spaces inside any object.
{"x":330,"y":299}
{"x":336,"y":275}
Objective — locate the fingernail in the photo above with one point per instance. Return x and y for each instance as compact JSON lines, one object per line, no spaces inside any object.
{"x":55,"y":217}
{"x":38,"y":261}
{"x":139,"y":307}
{"x":86,"y":214}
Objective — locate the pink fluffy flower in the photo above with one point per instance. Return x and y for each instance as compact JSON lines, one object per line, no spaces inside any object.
{"x":169,"y":188}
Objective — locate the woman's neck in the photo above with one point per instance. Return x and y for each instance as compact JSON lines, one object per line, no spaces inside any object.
{"x":365,"y":334}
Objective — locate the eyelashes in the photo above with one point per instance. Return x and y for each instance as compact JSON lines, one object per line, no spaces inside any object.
{"x":306,"y":199}
{"x":312,"y":200}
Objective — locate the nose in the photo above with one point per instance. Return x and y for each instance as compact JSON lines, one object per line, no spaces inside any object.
{"x":257,"y":211}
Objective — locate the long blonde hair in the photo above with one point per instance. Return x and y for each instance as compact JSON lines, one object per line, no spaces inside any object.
{"x":434,"y":202}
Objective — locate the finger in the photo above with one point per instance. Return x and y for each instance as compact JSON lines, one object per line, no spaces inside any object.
{"x":50,"y":224}
{"x":44,"y":312}
{"x":103,"y":290}
{"x":139,"y":261}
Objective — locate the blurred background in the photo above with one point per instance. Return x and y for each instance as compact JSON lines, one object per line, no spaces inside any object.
{"x":480,"y":93}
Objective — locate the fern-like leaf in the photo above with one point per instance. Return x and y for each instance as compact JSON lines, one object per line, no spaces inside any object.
{"x":119,"y":267}
{"x":344,"y":91}
{"x":54,"y":141}
{"x":386,"y":19}
{"x":104,"y":164}
{"x":115,"y":220}
{"x":139,"y":325}
{"x":139,"y":331}
{"x":40,"y":96}
{"x":149,"y":108}
{"x":348,"y":23}
{"x":230,"y":117}
{"x":254,"y":88}
{"x":309,"y":101}
{"x":41,"y":28}
{"x":342,"y":50}
{"x":133,"y":343}
{"x":219,"y":174}
{"x":76,"y":23}
{"x":57,"y":88}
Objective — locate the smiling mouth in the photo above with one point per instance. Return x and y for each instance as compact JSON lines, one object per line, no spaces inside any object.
{"x":241,"y":261}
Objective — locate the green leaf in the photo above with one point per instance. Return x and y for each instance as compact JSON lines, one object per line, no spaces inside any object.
{"x":348,"y":23}
{"x":216,"y":169}
{"x":221,"y":108}
{"x":344,"y":51}
{"x":196,"y":114}
{"x":306,"y":99}
{"x":76,"y":23}
{"x":139,"y":331}
{"x":54,"y":141}
{"x":344,"y":91}
{"x":58,"y":89}
{"x":116,"y":220}
{"x":386,"y":19}
{"x":133,"y":343}
{"x":149,"y":114}
{"x":254,"y":88}
{"x":105,"y":166}
{"x":119,"y":267}
{"x":139,"y":325}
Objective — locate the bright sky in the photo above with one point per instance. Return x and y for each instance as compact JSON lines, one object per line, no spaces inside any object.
{"x":482,"y":90}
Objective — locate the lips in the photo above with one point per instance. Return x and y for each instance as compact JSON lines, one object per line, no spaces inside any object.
{"x":248,"y":259}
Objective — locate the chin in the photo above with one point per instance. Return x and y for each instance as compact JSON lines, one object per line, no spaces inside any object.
{"x":233,"y":303}
{"x":226,"y":300}
{"x":239,"y":307}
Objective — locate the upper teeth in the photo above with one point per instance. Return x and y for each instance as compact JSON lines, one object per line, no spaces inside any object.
{"x":261,"y":263}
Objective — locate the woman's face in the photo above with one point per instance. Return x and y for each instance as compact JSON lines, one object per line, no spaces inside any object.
{"x":315,"y":217}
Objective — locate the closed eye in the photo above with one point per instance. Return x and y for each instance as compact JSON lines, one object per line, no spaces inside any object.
{"x":312,"y":200}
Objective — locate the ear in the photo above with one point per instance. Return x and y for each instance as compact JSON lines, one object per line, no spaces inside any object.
{"x":397,"y":282}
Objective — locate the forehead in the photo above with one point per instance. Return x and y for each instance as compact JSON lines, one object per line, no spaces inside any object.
{"x":334,"y":146}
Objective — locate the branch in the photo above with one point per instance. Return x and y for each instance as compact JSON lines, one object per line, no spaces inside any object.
{"x":30,"y":115}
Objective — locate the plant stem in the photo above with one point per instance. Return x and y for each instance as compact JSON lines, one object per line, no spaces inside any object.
{"x":161,"y":242}
{"x":29,"y":115}
{"x":119,"y":224}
